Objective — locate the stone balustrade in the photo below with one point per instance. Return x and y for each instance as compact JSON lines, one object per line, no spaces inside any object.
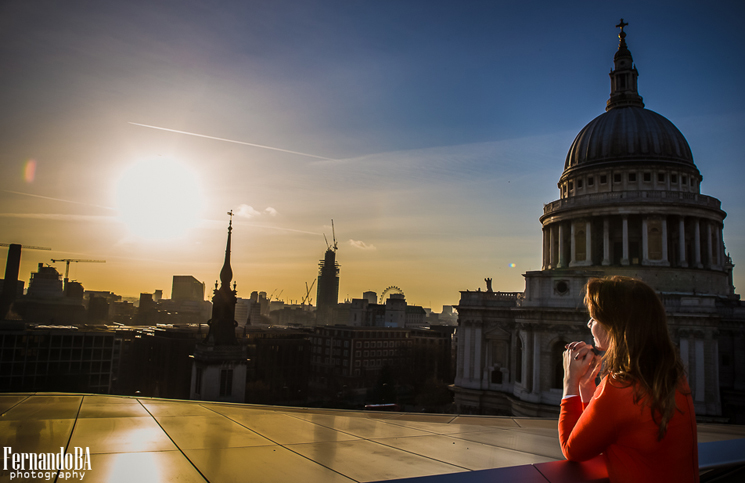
{"x":619,"y":197}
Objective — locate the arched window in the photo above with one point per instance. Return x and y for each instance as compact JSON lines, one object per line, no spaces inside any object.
{"x":557,"y":364}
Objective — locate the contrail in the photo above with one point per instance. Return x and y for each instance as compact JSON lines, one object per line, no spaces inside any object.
{"x":232,"y":141}
{"x":58,"y":199}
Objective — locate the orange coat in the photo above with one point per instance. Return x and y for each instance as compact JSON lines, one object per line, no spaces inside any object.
{"x":627,"y":436}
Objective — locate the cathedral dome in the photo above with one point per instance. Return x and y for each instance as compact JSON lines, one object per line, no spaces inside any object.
{"x":630,"y":133}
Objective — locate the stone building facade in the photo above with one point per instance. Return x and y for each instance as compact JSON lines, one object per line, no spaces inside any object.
{"x":629,"y":204}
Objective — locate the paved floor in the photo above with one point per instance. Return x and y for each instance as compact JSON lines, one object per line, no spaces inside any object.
{"x":159,"y":440}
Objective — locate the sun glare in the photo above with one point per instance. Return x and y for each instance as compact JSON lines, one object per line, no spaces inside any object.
{"x":159,"y":199}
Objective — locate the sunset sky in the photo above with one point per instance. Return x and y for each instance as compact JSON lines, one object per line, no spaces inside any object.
{"x":432,"y":132}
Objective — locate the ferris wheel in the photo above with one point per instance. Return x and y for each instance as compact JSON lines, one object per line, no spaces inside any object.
{"x":390,"y":290}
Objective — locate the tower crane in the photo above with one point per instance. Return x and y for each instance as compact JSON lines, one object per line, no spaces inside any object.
{"x":335,"y":246}
{"x":307,"y":292}
{"x":333,"y":233}
{"x":27,"y":247}
{"x":76,"y":260}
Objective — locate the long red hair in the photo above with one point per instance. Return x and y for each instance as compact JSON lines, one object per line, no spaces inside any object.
{"x":640,"y":351}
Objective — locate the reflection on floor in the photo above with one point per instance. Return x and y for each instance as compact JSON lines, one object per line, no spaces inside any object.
{"x":159,"y":440}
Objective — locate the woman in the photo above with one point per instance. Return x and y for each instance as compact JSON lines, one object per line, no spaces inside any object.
{"x":641,"y":415}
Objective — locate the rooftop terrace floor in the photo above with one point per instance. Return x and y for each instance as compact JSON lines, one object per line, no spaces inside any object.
{"x":160,"y":440}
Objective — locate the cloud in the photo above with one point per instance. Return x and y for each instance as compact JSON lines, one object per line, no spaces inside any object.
{"x":361,"y":245}
{"x":245,"y":211}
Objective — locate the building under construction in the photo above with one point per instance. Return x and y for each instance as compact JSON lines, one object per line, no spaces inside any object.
{"x":327,"y":296}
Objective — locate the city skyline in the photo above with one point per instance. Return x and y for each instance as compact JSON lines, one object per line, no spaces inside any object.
{"x":432,"y":133}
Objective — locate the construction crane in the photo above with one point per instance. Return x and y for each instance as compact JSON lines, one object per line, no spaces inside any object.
{"x":272,"y":295}
{"x":27,"y":247}
{"x":333,"y":233}
{"x":76,"y":260}
{"x":307,"y":292}
{"x":335,"y":247}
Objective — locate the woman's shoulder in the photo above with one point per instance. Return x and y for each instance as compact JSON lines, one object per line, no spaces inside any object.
{"x":612,"y":386}
{"x":683,"y":386}
{"x":615,"y":399}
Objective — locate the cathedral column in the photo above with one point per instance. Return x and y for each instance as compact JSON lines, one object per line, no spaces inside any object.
{"x":709,"y":248}
{"x":712,"y":389}
{"x":551,"y":256}
{"x":697,"y":242}
{"x":720,"y":246}
{"x":461,"y":362}
{"x":478,"y":339}
{"x":645,"y":242}
{"x":699,"y":388}
{"x":588,"y":242}
{"x":664,"y":241}
{"x":527,"y":352}
{"x":562,"y":257}
{"x":683,"y":351}
{"x":682,"y":242}
{"x":467,"y":336}
{"x":485,"y":376}
{"x":545,"y":253}
{"x":573,"y":245}
{"x":625,"y":259}
{"x":536,"y":389}
{"x":606,"y":242}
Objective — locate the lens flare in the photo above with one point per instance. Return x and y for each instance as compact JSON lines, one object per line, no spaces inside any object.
{"x":512,"y":265}
{"x":29,"y":171}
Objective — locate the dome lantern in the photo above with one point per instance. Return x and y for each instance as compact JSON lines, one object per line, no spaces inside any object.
{"x":623,"y":88}
{"x":627,"y":132}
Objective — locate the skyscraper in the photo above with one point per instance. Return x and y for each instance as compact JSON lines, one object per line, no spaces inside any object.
{"x":186,"y":287}
{"x":327,"y":294}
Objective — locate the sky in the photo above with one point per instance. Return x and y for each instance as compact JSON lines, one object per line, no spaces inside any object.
{"x":431,"y":132}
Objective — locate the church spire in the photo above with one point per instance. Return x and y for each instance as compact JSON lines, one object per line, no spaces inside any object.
{"x":623,"y":89}
{"x":222,"y":324}
{"x":226,"y":274}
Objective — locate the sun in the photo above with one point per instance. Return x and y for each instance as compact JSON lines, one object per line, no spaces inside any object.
{"x":159,"y":199}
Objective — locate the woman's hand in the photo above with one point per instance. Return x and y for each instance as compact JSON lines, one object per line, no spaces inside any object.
{"x":579,"y":366}
{"x":587,"y":381}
